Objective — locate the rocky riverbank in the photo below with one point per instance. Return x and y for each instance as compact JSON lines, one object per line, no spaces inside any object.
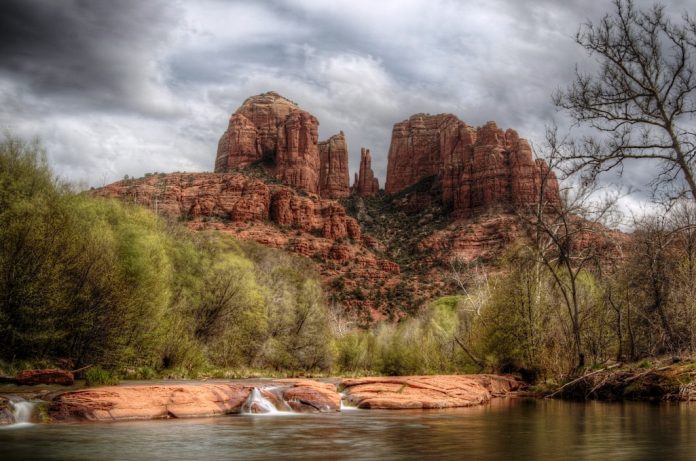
{"x":204,"y":399}
{"x":661,"y":380}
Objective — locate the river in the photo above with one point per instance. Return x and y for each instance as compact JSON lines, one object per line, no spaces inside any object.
{"x":509,"y":429}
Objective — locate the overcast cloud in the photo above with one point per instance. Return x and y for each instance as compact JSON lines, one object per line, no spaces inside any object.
{"x":131,"y":86}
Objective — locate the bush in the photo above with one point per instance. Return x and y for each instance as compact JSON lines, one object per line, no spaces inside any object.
{"x":97,"y":376}
{"x":92,"y":280}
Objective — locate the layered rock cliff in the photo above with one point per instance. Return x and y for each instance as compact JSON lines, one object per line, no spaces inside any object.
{"x":257,"y":209}
{"x":235,"y":197}
{"x":333,"y":170}
{"x":252,"y":133}
{"x":452,"y":192}
{"x":476,"y":168}
{"x":271,"y":129}
{"x":365,"y":184}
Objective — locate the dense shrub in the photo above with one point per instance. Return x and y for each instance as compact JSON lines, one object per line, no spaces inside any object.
{"x":97,"y":376}
{"x":86,"y":280}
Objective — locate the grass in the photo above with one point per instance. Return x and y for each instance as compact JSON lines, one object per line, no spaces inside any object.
{"x":97,"y":376}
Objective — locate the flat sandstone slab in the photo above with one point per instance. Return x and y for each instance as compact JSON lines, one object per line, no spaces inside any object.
{"x":155,"y":401}
{"x":121,"y":403}
{"x":426,"y":392}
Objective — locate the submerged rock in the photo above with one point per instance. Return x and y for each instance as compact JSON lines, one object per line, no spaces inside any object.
{"x":6,"y":413}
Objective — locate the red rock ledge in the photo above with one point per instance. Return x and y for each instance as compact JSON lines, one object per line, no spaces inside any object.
{"x":426,"y":392}
{"x":120,"y":403}
{"x":45,"y":376}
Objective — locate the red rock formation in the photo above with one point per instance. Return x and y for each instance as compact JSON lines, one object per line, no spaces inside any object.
{"x":155,"y":401}
{"x":333,"y":171}
{"x":237,"y":147}
{"x":253,"y":131}
{"x":477,"y":168}
{"x":273,"y":129}
{"x":45,"y":376}
{"x":467,"y":170}
{"x":297,"y":156}
{"x":414,"y":152}
{"x":120,"y":403}
{"x":484,"y":237}
{"x":235,"y":197}
{"x":365,"y":182}
{"x":309,"y":396}
{"x":276,"y":216}
{"x":426,"y":392}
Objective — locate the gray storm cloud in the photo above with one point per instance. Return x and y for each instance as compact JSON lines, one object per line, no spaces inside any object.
{"x":127,"y":87}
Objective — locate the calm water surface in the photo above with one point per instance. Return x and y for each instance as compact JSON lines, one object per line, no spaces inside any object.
{"x":515,"y":429}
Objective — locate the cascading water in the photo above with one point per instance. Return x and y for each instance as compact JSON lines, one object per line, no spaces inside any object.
{"x":22,"y":411}
{"x":344,"y":406}
{"x":256,"y":403}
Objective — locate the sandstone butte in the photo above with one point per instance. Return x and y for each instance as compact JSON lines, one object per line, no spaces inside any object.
{"x":273,"y":130}
{"x":478,"y":168}
{"x":121,"y":403}
{"x":452,"y":192}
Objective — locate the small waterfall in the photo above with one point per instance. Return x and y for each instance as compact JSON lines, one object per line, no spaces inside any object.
{"x":256,"y":403}
{"x":22,"y":412}
{"x":344,"y":405}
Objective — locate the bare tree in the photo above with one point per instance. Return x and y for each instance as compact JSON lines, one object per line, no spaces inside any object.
{"x":569,"y":236}
{"x":471,"y":280}
{"x":642,"y":99}
{"x":474,"y":286}
{"x":663,"y":274}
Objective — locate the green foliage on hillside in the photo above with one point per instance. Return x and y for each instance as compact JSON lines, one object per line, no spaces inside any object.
{"x":93,"y":281}
{"x":87,"y":280}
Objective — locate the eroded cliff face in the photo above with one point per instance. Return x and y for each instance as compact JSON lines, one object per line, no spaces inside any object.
{"x":452,"y":193}
{"x":476,"y":169}
{"x":333,"y":170}
{"x":252,"y":133}
{"x":235,"y":197}
{"x":271,"y":129}
{"x":275,"y":215}
{"x":366,"y":184}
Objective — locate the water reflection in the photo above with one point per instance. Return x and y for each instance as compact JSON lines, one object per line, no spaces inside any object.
{"x":504,"y":429}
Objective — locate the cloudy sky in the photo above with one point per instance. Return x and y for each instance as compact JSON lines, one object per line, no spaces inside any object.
{"x":134,"y":86}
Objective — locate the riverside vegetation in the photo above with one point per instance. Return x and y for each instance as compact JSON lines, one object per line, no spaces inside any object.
{"x":88,"y":280}
{"x":94,"y":281}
